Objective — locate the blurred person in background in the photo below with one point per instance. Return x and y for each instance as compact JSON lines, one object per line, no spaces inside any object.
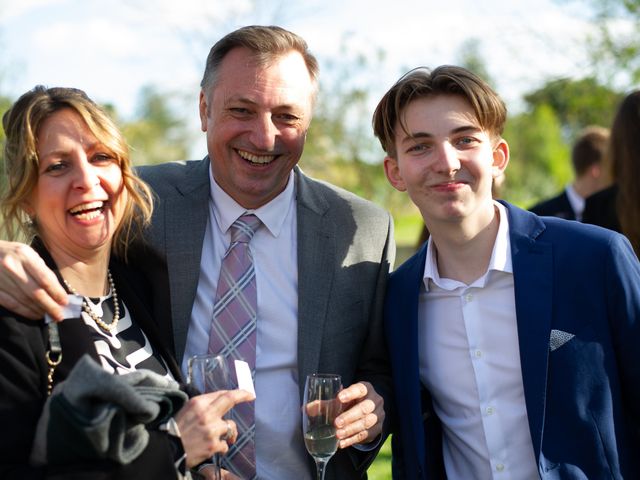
{"x":618,"y":206}
{"x":587,"y":157}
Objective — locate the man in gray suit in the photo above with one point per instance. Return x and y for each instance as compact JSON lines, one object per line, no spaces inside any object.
{"x":321,"y":256}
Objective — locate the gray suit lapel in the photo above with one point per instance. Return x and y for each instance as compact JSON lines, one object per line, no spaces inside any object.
{"x":186,"y":220}
{"x":316,"y":254}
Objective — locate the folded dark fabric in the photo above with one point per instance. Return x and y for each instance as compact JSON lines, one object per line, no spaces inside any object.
{"x":96,"y":415}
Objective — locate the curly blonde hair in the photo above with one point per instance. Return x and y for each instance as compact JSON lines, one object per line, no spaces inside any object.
{"x":21,"y":124}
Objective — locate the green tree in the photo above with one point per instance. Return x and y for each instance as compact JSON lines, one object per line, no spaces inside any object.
{"x":340,"y":146}
{"x":5,"y":103}
{"x":615,"y":47}
{"x":576,"y":103}
{"x":157,"y":134}
{"x":470,"y":54}
{"x":539,"y":164}
{"x":540,"y":138}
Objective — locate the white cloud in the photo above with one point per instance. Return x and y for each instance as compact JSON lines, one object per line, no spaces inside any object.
{"x":68,"y":41}
{"x":12,"y":9}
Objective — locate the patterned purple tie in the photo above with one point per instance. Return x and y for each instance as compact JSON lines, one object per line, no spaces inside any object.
{"x":233,"y":334}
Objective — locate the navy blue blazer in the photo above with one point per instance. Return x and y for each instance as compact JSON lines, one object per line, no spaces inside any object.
{"x":583,"y":398}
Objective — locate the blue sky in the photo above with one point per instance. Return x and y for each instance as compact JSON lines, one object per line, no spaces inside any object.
{"x":111,"y":48}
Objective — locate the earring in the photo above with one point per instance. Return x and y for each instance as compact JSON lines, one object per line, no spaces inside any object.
{"x":30,"y":222}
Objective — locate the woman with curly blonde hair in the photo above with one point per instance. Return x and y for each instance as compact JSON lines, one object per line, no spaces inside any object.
{"x":97,"y":395}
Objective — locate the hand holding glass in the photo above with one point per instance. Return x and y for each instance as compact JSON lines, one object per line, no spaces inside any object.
{"x":320,"y":409}
{"x":209,"y":373}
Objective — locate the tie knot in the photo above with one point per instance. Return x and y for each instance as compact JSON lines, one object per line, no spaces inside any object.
{"x":244,"y":227}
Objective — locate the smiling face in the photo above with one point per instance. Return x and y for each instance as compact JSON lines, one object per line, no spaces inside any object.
{"x":256,"y":119}
{"x":79,"y":197}
{"x":446,"y":161}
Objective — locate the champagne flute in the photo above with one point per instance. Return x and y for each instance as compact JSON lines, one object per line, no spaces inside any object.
{"x":320,"y":409}
{"x":209,"y":373}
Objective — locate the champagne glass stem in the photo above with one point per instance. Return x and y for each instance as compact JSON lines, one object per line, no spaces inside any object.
{"x":320,"y":466}
{"x":209,"y":373}
{"x":218,"y":470}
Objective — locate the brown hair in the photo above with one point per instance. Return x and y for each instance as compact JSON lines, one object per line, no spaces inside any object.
{"x":21,"y":125}
{"x":589,"y":149}
{"x":624,"y":155}
{"x":266,"y":42}
{"x":421,"y":82}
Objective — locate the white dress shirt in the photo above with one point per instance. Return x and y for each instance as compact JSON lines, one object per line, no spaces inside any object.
{"x":576,"y":201}
{"x":470,"y":362}
{"x":280,"y":451}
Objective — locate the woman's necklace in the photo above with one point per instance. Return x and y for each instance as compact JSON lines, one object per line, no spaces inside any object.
{"x":88,"y":308}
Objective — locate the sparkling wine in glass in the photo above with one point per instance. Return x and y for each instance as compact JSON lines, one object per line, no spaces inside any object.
{"x":209,"y":373}
{"x":320,"y":408}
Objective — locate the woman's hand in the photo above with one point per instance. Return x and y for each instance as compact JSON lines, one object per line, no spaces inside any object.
{"x":27,"y":286}
{"x":203,"y":430}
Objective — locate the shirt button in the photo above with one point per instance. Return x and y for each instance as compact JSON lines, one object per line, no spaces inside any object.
{"x":490,"y":410}
{"x":499,"y":467}
{"x":468,"y":297}
{"x":478,"y":353}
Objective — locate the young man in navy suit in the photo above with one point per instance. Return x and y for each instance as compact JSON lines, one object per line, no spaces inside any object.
{"x":513,"y":338}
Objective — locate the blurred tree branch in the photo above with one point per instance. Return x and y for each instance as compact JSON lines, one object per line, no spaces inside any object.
{"x":615,"y":46}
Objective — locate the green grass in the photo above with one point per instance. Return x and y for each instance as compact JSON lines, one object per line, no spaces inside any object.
{"x":407,"y":229}
{"x":380,"y":469}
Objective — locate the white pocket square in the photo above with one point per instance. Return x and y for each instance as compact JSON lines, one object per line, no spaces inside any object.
{"x":559,"y":338}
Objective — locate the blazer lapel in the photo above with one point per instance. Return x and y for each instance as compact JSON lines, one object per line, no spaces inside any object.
{"x":401,"y":327}
{"x":316,"y":255}
{"x":186,"y":215}
{"x":533,"y":285}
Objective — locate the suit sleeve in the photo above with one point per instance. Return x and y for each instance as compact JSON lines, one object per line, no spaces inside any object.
{"x":374,"y":366}
{"x":623,"y":283}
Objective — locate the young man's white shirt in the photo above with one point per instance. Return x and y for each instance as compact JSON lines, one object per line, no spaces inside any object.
{"x":576,"y":201}
{"x":470,"y":362}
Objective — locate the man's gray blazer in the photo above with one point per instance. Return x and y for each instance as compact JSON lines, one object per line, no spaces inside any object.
{"x":345,"y":249}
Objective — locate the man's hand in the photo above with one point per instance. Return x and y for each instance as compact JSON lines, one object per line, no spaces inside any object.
{"x":27,"y":286}
{"x":362,"y":420}
{"x":203,"y":429}
{"x":225,"y":475}
{"x":208,"y":473}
